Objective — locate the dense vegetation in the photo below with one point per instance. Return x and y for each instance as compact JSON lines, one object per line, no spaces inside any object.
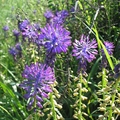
{"x":59,"y":60}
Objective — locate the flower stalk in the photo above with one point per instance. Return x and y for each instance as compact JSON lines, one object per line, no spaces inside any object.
{"x":80,"y":98}
{"x":113,"y":98}
{"x":53,"y":106}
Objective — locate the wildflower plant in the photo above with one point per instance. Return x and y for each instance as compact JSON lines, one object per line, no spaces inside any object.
{"x":109,"y":104}
{"x":84,"y":50}
{"x":37,"y":86}
{"x":56,"y":38}
{"x":16,"y":51}
{"x":105,"y":87}
{"x":110,"y":48}
{"x":57,"y":17}
{"x":16,"y":33}
{"x":63,"y":68}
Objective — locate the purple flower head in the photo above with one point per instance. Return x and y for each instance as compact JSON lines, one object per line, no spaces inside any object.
{"x":13,"y":51}
{"x":56,"y":38}
{"x":60,"y":17}
{"x":5,"y":28}
{"x":85,"y":50}
{"x":72,"y":10}
{"x":16,"y":33}
{"x":16,"y":51}
{"x":31,"y":33}
{"x":57,"y":18}
{"x":22,"y":26}
{"x":117,"y":71}
{"x":48,"y":14}
{"x":63,"y":13}
{"x":37,"y":83}
{"x":18,"y":47}
{"x":109,"y":46}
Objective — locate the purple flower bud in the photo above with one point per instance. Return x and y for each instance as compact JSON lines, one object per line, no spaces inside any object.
{"x":117,"y":71}
{"x":22,"y":26}
{"x":110,"y":48}
{"x":72,"y":10}
{"x":57,"y":18}
{"x":63,"y":13}
{"x":48,"y":14}
{"x":18,"y":47}
{"x":39,"y":98}
{"x":16,"y":51}
{"x":13,"y":51}
{"x":43,"y":94}
{"x":60,"y":17}
{"x":5,"y":28}
{"x":39,"y":105}
{"x":16,"y":33}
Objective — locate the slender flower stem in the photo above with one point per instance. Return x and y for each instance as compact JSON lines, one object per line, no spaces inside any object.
{"x":103,"y":79}
{"x":80,"y":98}
{"x":33,"y":53}
{"x":113,"y":98}
{"x":35,"y":107}
{"x":53,"y":107}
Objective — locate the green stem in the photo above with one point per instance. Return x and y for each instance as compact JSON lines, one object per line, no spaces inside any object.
{"x":113,"y":98}
{"x":80,"y":99}
{"x":103,"y":80}
{"x":53,"y":107}
{"x":35,"y":107}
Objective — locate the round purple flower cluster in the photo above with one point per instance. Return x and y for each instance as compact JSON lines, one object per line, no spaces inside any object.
{"x":16,"y":33}
{"x":22,"y":25}
{"x":48,"y":14}
{"x":37,"y":83}
{"x":16,"y":51}
{"x":56,"y":38}
{"x":57,"y":18}
{"x":85,"y":50}
{"x":110,"y":48}
{"x":117,"y":71}
{"x":6,"y":28}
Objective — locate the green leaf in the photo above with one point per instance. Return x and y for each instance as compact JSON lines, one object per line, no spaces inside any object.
{"x":94,"y":68}
{"x":6,"y":111}
{"x":9,"y":71}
